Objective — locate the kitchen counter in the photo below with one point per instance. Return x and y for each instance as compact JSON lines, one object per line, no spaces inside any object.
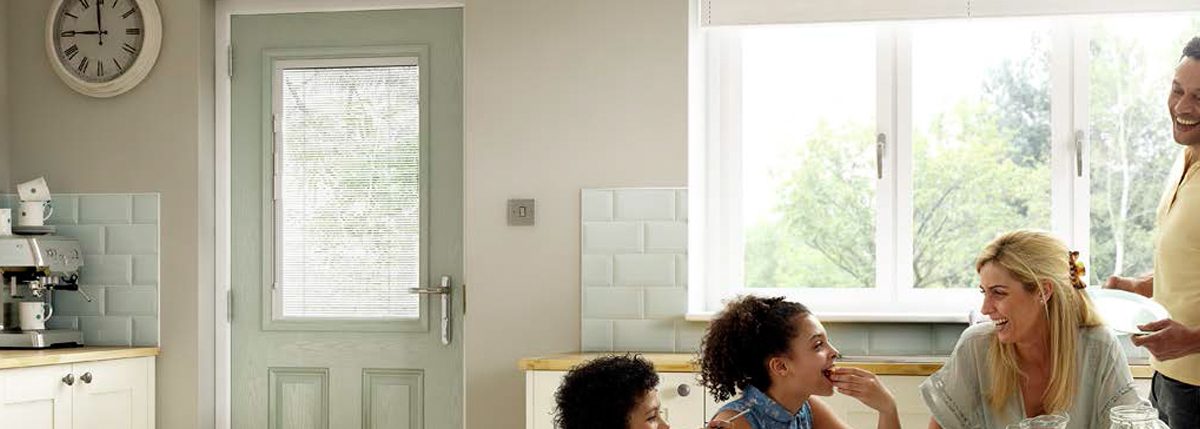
{"x":684,"y":362}
{"x":27,"y":358}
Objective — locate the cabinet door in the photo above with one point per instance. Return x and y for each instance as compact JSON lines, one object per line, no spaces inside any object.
{"x":681,"y":396}
{"x":540,"y":387}
{"x":35,"y":398}
{"x":113,"y":394}
{"x":913,"y":413}
{"x":682,"y":399}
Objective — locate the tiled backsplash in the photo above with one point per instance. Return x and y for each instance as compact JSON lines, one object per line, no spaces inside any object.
{"x":119,"y":234}
{"x":634,"y":271}
{"x":634,"y":279}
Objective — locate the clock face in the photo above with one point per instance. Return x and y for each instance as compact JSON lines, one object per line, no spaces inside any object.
{"x":98,"y":40}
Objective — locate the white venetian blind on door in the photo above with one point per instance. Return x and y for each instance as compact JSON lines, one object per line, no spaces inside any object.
{"x":349,"y":192}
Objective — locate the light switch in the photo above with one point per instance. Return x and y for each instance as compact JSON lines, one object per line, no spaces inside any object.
{"x":520,"y":212}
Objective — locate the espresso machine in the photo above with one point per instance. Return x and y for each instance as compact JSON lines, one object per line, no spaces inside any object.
{"x":33,"y":267}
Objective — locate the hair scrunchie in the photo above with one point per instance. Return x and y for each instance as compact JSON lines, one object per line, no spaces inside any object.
{"x":1077,"y":270}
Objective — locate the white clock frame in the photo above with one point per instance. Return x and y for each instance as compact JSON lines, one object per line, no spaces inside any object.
{"x":151,"y":43}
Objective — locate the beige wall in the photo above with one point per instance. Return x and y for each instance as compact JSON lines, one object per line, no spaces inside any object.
{"x":4,"y":132}
{"x":560,"y":95}
{"x":147,"y":140}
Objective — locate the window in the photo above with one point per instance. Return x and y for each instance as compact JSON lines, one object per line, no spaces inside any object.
{"x":860,"y":168}
{"x":348,"y":178}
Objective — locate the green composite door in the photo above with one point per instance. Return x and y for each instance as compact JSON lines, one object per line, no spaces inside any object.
{"x":346,"y":137}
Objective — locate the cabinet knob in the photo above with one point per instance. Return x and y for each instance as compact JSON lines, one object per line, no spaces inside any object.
{"x":69,"y":379}
{"x":683,"y":390}
{"x":86,"y":377}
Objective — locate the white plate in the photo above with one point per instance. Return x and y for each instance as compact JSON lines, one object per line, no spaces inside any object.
{"x":1123,"y":311}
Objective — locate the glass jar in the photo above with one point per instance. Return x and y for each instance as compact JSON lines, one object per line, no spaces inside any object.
{"x":1048,"y":421}
{"x":1139,"y":416}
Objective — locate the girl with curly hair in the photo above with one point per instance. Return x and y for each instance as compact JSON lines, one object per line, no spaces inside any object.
{"x":777,"y":355}
{"x":611,"y":392}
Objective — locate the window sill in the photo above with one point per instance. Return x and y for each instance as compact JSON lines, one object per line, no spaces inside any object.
{"x":863,"y":317}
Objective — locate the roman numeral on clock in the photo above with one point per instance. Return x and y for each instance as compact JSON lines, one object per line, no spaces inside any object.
{"x":118,"y":64}
{"x":99,"y":68}
{"x":133,"y":31}
{"x":71,"y":52}
{"x":126,"y":14}
{"x":85,"y":4}
{"x":129,"y":48}
{"x":83,"y":64}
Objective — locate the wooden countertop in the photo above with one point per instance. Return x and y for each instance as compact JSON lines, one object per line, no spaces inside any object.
{"x":26,"y":358}
{"x":685,"y":362}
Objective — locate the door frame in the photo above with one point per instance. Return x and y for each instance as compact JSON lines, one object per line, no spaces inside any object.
{"x":219,"y":170}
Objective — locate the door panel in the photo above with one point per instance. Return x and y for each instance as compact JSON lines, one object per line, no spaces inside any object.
{"x":335,"y":372}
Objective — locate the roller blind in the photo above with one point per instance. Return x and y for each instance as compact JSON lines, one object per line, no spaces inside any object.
{"x":750,"y":12}
{"x":349,"y":192}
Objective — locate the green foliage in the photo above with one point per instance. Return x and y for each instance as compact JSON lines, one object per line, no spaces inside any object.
{"x":980,"y":169}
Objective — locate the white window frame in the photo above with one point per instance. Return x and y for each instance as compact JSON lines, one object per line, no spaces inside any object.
{"x":716,"y":239}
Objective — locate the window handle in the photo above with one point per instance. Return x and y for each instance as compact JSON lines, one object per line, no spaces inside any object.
{"x":1079,"y":153}
{"x":880,"y":150}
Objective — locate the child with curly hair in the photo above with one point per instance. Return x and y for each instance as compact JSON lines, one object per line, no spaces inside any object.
{"x":778,"y":356}
{"x":611,"y":392}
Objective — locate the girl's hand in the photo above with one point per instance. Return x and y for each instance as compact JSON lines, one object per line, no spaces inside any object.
{"x":865,"y":387}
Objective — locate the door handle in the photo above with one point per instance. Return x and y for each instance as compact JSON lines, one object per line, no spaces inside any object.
{"x":69,"y":379}
{"x":444,"y":291}
{"x":86,"y":378}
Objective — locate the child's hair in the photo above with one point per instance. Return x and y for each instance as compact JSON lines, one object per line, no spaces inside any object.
{"x":601,"y":393}
{"x":750,"y":330}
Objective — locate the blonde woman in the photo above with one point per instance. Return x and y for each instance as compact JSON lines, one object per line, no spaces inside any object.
{"x":1045,"y":351}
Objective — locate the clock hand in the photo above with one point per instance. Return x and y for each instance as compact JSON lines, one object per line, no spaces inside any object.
{"x":99,"y":25}
{"x":91,"y":32}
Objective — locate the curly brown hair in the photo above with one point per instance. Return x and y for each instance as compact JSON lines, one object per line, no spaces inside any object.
{"x":750,"y":330}
{"x":601,"y":393}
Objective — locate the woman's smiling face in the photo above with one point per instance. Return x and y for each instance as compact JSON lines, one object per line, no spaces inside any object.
{"x":1019,"y":315}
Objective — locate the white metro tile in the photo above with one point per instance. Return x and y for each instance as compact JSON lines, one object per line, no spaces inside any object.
{"x":597,"y":205}
{"x":666,"y":303}
{"x":612,"y":303}
{"x":609,"y":237}
{"x":645,"y":204}
{"x":596,"y":270}
{"x":597,"y":335}
{"x":145,"y":208}
{"x":138,"y":239}
{"x":644,"y":335}
{"x":644,"y":270}
{"x":666,"y":237}
{"x":105,"y":209}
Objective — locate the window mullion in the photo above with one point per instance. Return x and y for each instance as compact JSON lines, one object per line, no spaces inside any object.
{"x":1069,"y":134}
{"x":1081,"y":114}
{"x":903,"y":171}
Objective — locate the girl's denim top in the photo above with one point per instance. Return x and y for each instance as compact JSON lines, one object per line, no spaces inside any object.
{"x":765,"y":413}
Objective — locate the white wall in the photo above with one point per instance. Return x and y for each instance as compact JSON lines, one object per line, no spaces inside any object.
{"x":150,"y":139}
{"x":560,"y":95}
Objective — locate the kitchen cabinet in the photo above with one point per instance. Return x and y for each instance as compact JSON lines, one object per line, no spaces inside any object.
{"x":686,"y":404}
{"x":105,"y":394}
{"x":680,"y":393}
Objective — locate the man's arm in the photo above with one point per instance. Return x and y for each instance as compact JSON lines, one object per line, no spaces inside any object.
{"x":1143,"y":286}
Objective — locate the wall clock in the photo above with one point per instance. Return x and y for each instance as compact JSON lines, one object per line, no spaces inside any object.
{"x":103,"y":48}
